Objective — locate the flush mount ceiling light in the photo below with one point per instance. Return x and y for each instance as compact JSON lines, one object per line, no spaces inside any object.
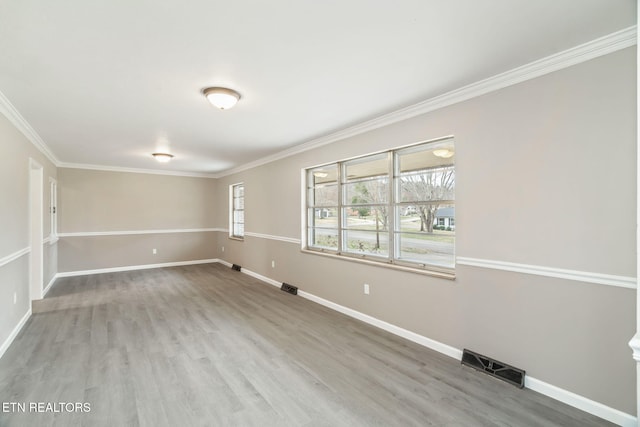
{"x":443,"y":152}
{"x":320,"y":174}
{"x":162,"y":157}
{"x":221,"y":97}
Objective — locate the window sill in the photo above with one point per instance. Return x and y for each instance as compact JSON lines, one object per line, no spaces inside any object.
{"x":449,"y":275}
{"x":239,"y":239}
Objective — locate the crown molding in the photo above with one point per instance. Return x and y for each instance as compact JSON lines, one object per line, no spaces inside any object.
{"x":584,"y":52}
{"x":576,"y":55}
{"x":133,"y":170}
{"x":11,"y":113}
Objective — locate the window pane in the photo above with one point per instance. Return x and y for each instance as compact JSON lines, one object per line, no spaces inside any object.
{"x":435,"y":249}
{"x":429,"y":156}
{"x":426,"y":172}
{"x":324,"y":217}
{"x":366,"y":242}
{"x":237,"y":211}
{"x":367,"y":167}
{"x":238,"y":203}
{"x":367,"y":180}
{"x":370,"y":191}
{"x":426,"y":234}
{"x":323,"y":175}
{"x":325,"y":195}
{"x":323,"y":238}
{"x":431,"y":184}
{"x":425,"y":217}
{"x":366,"y":218}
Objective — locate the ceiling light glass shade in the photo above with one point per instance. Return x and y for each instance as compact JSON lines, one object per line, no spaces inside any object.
{"x":222,"y":97}
{"x":320,"y":174}
{"x":443,"y":152}
{"x":162,"y":157}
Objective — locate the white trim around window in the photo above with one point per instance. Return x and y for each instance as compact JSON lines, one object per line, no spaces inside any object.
{"x":236,"y":211}
{"x":385,"y":208}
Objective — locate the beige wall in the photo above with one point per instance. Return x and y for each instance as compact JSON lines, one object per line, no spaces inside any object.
{"x":546,"y":177}
{"x":14,"y":278}
{"x":15,"y":152}
{"x":102,"y":202}
{"x":98,"y":252}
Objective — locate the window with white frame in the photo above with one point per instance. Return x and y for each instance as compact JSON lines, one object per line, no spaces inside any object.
{"x":236,"y":211}
{"x":395,"y":207}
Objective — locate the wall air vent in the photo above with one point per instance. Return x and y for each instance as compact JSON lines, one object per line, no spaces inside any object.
{"x":494,"y":368}
{"x":236,"y":267}
{"x":289,"y":288}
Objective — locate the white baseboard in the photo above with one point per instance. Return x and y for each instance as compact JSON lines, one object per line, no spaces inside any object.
{"x":134,"y":267}
{"x":48,"y":287}
{"x":12,"y":336}
{"x":261,"y":277}
{"x":587,"y":405}
{"x":223,"y":262}
{"x":572,"y":399}
{"x":396,"y":330}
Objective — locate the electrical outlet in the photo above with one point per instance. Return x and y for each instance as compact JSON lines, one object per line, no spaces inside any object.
{"x":223,"y":249}
{"x":15,"y":297}
{"x":155,"y":251}
{"x":366,"y":289}
{"x":273,"y":264}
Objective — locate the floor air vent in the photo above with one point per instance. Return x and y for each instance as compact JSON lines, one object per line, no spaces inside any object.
{"x":236,"y":267}
{"x":289,"y":288}
{"x":494,"y":368}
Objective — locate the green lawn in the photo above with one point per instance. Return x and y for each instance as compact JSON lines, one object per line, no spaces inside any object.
{"x":410,"y":224}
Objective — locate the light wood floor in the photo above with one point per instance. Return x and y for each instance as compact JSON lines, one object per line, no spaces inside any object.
{"x":208,"y":346}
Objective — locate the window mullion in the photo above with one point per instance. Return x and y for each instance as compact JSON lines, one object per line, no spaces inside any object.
{"x":391,"y":206}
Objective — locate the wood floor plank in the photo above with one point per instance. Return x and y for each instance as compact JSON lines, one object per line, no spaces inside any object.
{"x":207,"y":346}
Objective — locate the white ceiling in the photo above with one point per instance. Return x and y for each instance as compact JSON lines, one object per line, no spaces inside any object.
{"x":109,"y":82}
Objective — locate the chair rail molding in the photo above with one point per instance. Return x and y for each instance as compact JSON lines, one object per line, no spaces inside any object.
{"x":561,"y":273}
{"x":14,"y":256}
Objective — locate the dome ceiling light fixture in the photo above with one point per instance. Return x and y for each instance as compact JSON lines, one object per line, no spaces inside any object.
{"x":162,"y":157}
{"x":445,"y":153}
{"x":221,"y":97}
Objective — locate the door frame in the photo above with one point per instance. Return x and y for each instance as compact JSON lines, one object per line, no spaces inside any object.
{"x":36,"y":232}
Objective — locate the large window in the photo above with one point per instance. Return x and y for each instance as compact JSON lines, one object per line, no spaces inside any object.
{"x":236,"y":211}
{"x":395,"y":207}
